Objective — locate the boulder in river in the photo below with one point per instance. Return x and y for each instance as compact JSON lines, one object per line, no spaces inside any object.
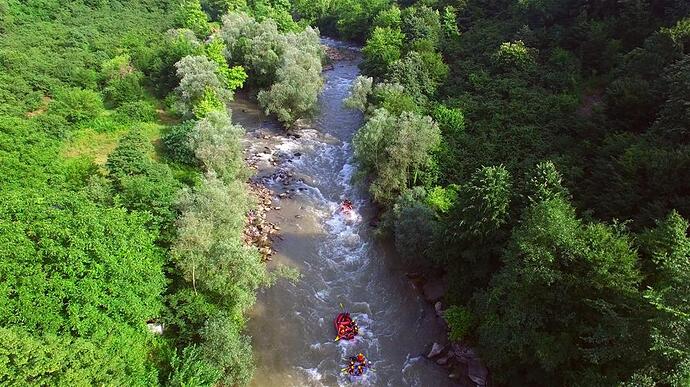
{"x":436,"y":350}
{"x":438,"y":307}
{"x":477,"y":372}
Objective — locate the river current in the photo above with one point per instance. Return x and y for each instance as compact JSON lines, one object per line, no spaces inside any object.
{"x":343,"y":265}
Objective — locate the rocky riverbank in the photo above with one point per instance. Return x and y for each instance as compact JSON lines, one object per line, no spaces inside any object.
{"x":461,"y":360}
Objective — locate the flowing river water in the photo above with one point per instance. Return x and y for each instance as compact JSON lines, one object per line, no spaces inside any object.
{"x":341,"y":261}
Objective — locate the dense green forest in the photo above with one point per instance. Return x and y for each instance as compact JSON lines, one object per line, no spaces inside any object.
{"x":538,"y":152}
{"x":123,"y":196}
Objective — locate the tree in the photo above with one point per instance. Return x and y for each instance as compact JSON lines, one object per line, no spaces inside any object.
{"x":419,"y":74}
{"x":421,"y":23}
{"x":190,"y":369}
{"x":122,"y":80}
{"x":191,"y":16}
{"x":394,"y":150}
{"x":200,"y":84}
{"x":298,"y":80}
{"x":209,"y":250}
{"x":229,"y":350}
{"x":389,"y":18}
{"x":666,"y":250}
{"x":359,"y":93}
{"x":234,"y":77}
{"x":414,"y":227}
{"x":545,"y":183}
{"x":381,"y":50}
{"x":215,"y":142}
{"x":515,"y":55}
{"x":80,"y":276}
{"x":566,"y":297}
{"x":484,"y":202}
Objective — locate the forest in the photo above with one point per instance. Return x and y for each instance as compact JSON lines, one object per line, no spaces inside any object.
{"x":535,"y":152}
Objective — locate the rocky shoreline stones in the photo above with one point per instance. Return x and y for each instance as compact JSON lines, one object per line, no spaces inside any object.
{"x":258,"y":231}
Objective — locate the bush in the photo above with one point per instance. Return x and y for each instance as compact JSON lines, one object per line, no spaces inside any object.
{"x":459,"y":321}
{"x":177,"y":143}
{"x":451,"y":120}
{"x":415,"y":227}
{"x":191,"y":369}
{"x":122,"y":81}
{"x":77,"y":105}
{"x":381,"y":50}
{"x":139,"y":111}
{"x":515,"y":56}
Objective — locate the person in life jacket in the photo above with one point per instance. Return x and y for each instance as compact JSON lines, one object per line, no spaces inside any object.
{"x":358,"y":365}
{"x":345,"y":327}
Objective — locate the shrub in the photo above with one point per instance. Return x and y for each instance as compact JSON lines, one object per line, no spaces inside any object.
{"x":515,"y":55}
{"x":459,"y":321}
{"x":191,"y":369}
{"x":177,"y":143}
{"x":381,"y":50}
{"x":77,"y":105}
{"x":122,"y":81}
{"x":139,"y":111}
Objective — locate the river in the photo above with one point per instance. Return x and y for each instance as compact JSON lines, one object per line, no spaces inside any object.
{"x":341,"y":261}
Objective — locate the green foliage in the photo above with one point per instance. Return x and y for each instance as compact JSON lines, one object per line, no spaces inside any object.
{"x":209,"y":102}
{"x":209,"y":250}
{"x":131,"y":157}
{"x":233,"y":77}
{"x":228,"y":350}
{"x":142,"y":183}
{"x":123,"y":81}
{"x":177,"y":142}
{"x":441,"y":199}
{"x":301,"y":65}
{"x":419,"y":74}
{"x":58,"y":296}
{"x":414,"y":227}
{"x":394,"y":98}
{"x":138,"y":111}
{"x":216,"y":144}
{"x":421,"y":23}
{"x":354,"y":17}
{"x":449,"y":24}
{"x":190,"y":370}
{"x":459,"y":320}
{"x":566,"y":297}
{"x":50,"y":359}
{"x":359,"y":93}
{"x":451,"y":120}
{"x":395,"y":150}
{"x":389,"y":18}
{"x":515,"y":55}
{"x":77,"y":105}
{"x":175,"y":45}
{"x":484,"y":202}
{"x":381,"y":50}
{"x":666,"y":250}
{"x":200,"y":89}
{"x":191,"y":16}
{"x":285,"y":66}
{"x":545,"y":183}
